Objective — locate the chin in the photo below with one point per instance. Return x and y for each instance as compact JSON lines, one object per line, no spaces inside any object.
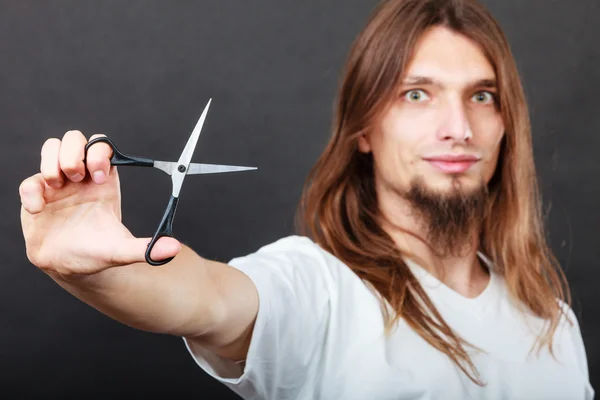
{"x":454,"y":183}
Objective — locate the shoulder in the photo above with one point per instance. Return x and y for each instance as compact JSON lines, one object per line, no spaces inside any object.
{"x":292,"y":243}
{"x":291,"y":251}
{"x":299,"y":262}
{"x":569,"y":334}
{"x":295,"y":259}
{"x":568,"y":319}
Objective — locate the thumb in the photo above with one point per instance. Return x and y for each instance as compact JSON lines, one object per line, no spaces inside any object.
{"x":134,"y":250}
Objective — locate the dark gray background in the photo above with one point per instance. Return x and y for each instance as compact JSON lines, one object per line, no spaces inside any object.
{"x":142,"y":71}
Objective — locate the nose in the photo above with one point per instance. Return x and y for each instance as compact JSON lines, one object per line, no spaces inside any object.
{"x":454,"y":122}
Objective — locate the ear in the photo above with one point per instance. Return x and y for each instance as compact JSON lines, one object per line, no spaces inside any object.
{"x":363,"y":144}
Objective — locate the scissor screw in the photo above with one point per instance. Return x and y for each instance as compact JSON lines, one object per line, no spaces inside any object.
{"x":181,"y":168}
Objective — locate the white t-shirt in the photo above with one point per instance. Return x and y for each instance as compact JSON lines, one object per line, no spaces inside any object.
{"x":319,"y":335}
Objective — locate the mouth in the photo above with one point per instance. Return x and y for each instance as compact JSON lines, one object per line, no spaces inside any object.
{"x":453,"y":163}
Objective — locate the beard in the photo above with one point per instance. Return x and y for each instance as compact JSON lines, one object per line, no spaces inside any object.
{"x":449,"y":219}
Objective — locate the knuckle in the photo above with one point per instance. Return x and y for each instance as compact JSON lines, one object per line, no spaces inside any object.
{"x":27,"y":189}
{"x":49,"y":144}
{"x":52,"y":178}
{"x":24,"y":187}
{"x":73,"y":134}
{"x":51,"y":141}
{"x":98,"y":157}
{"x":47,"y":262}
{"x":48,"y":172}
{"x":69,"y":166}
{"x":49,"y":159}
{"x":95,"y":162}
{"x":33,"y":255}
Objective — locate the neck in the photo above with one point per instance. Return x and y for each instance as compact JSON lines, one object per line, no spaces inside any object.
{"x":462,"y":271}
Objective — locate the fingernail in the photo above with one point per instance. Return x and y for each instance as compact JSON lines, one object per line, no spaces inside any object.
{"x":99,"y":177}
{"x":56,"y":185}
{"x":76,"y":177}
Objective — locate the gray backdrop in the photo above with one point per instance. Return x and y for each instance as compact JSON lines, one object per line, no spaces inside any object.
{"x":141,"y":72}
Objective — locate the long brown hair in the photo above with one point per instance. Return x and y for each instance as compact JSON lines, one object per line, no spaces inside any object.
{"x":339,"y":208}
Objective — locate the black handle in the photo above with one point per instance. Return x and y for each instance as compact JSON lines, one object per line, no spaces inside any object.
{"x":119,"y":158}
{"x":164,"y":229}
{"x":166,"y":224}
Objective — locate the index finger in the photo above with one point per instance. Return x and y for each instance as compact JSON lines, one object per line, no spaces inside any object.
{"x":98,"y":160}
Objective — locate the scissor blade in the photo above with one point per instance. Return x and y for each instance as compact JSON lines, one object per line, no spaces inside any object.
{"x":180,"y":171}
{"x":188,"y":151}
{"x":215,"y":169}
{"x":195,"y":168}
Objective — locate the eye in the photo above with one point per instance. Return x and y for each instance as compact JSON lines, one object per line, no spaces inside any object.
{"x":415,"y":96}
{"x":483,"y":97}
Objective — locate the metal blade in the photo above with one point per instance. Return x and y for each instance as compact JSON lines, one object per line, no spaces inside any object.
{"x":194,"y":168}
{"x":166,"y":166}
{"x":188,"y":151}
{"x":178,"y":173}
{"x":216,"y":169}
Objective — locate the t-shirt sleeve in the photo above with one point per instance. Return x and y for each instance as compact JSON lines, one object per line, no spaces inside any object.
{"x":294,"y":288}
{"x":578,"y":346}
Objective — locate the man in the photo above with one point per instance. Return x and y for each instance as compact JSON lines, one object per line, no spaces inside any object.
{"x":426,"y":274}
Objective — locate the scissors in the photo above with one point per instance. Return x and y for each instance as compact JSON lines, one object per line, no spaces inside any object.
{"x":178,"y":170}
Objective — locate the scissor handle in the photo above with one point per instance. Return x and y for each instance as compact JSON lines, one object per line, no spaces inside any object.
{"x":119,"y":158}
{"x":164,"y":229}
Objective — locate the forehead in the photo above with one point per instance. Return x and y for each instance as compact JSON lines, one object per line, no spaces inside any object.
{"x":449,"y":57}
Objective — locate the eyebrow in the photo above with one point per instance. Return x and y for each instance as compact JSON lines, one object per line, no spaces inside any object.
{"x":424,"y":80}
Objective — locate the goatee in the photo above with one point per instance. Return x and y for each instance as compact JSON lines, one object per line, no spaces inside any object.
{"x":449,"y":219}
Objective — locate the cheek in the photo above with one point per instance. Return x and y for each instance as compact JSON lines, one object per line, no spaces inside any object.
{"x":489,"y":132}
{"x":488,"y":125}
{"x":404,"y":129}
{"x":396,"y":145}
{"x":488,"y":129}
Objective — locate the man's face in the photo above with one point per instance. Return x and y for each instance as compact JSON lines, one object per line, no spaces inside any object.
{"x":444,"y":129}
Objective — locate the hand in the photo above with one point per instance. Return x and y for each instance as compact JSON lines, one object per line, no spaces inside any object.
{"x":71,"y":212}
